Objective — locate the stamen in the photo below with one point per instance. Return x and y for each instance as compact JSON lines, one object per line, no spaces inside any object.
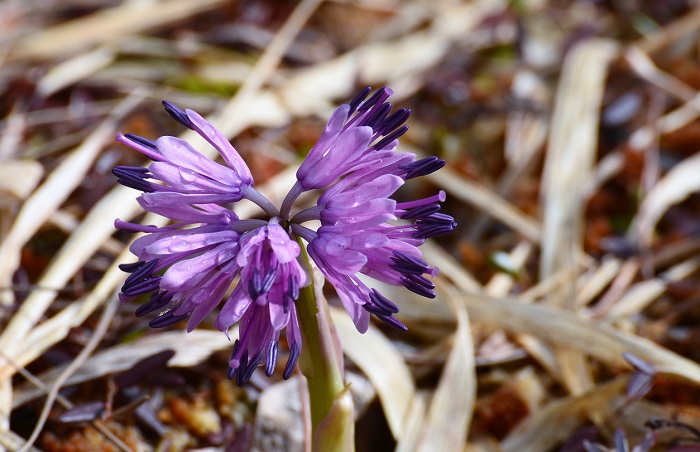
{"x":271,"y":358}
{"x":133,"y":177}
{"x":439,"y":197}
{"x":419,"y":285}
{"x":357,"y":99}
{"x":419,"y":212}
{"x":250,"y":368}
{"x":167,"y":319}
{"x":381,"y":94}
{"x":377,"y":115}
{"x":268,"y":280}
{"x":379,"y":312}
{"x":422,"y":167}
{"x":158,"y":301}
{"x":242,"y":368}
{"x":383,"y":302}
{"x":142,"y":141}
{"x":231,"y":374}
{"x":434,"y":225}
{"x":177,"y":114}
{"x":391,"y":137}
{"x":131,"y":268}
{"x":291,"y":361}
{"x":393,"y":322}
{"x":393,"y":121}
{"x":407,"y":264}
{"x":252,"y":287}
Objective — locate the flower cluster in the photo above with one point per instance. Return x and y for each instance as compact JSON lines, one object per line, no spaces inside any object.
{"x":188,"y":267}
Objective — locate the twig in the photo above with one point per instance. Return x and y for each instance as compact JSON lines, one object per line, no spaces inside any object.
{"x":102,"y":326}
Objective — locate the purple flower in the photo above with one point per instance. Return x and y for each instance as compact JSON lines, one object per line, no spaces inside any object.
{"x":187,"y":268}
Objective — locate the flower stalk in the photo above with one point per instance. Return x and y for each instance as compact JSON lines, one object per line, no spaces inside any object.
{"x":320,"y":360}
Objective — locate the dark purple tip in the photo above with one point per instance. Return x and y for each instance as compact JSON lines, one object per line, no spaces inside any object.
{"x":380,"y":96}
{"x":158,"y":301}
{"x":408,"y":265}
{"x":392,"y":322}
{"x":419,"y":285}
{"x":268,"y":280}
{"x":383,"y":302}
{"x":133,"y":177}
{"x":242,"y":368}
{"x":420,"y":212}
{"x":167,"y":319}
{"x":377,"y":116}
{"x":131,"y":268}
{"x":376,"y":310}
{"x":394,"y":120}
{"x":422,"y":167}
{"x":141,"y":280}
{"x":177,"y":114}
{"x":141,"y":287}
{"x":391,"y":137}
{"x":142,"y":141}
{"x":271,"y":358}
{"x":231,"y":371}
{"x":434,"y":225}
{"x":243,"y":377}
{"x":291,"y":361}
{"x":291,"y":294}
{"x":359,"y":97}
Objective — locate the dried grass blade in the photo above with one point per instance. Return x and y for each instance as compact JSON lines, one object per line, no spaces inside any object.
{"x":448,"y":418}
{"x":568,"y":330}
{"x":555,"y":422}
{"x":47,"y":199}
{"x":679,"y":183}
{"x":488,"y":201}
{"x":106,"y":26}
{"x":190,"y":349}
{"x":568,"y":167}
{"x":382,"y":363}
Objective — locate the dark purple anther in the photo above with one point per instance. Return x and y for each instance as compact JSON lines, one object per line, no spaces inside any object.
{"x":133,"y":177}
{"x":142,"y":141}
{"x":434,"y":225}
{"x":419,"y":285}
{"x":393,"y":121}
{"x":131,"y":268}
{"x":243,"y":378}
{"x":422,"y":167}
{"x":380,"y":96}
{"x":357,"y":99}
{"x":177,"y":114}
{"x":268,"y":280}
{"x":383,"y":302}
{"x":391,"y":137}
{"x":420,"y":212}
{"x":391,"y":321}
{"x":291,"y":361}
{"x":376,"y":116}
{"x":231,"y":374}
{"x":158,"y":301}
{"x":271,"y":358}
{"x":167,"y":319}
{"x":408,"y":265}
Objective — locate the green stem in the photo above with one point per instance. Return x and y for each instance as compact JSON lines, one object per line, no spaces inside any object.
{"x":319,"y":361}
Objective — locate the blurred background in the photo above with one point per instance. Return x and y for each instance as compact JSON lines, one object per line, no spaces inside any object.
{"x":568,"y":301}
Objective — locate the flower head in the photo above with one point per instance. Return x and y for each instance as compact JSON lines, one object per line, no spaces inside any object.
{"x":188,"y":268}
